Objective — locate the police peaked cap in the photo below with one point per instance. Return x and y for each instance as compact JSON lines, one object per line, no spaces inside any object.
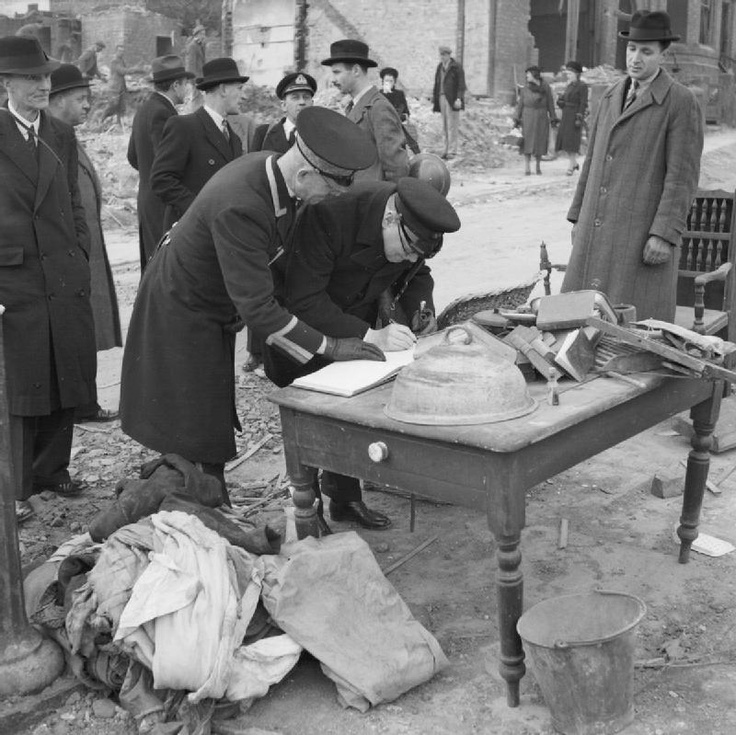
{"x":424,"y":210}
{"x":339,"y":145}
{"x":296,"y":82}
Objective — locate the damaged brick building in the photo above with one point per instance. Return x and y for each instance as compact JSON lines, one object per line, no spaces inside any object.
{"x":494,"y":39}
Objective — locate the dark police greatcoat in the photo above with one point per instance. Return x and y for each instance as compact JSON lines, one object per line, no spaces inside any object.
{"x":44,"y":273}
{"x":178,"y":375}
{"x":145,"y":138}
{"x":271,"y":138}
{"x":192,"y":150}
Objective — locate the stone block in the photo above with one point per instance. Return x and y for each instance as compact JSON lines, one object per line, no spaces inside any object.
{"x":667,"y":484}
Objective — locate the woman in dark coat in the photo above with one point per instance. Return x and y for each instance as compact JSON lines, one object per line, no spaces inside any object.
{"x":535,"y":111}
{"x":573,"y":102}
{"x":397,"y":98}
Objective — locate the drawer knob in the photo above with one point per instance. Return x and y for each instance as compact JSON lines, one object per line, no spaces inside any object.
{"x":378,"y":451}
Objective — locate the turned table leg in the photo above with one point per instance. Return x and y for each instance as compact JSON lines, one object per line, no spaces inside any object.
{"x":705,"y":417}
{"x":510,"y":586}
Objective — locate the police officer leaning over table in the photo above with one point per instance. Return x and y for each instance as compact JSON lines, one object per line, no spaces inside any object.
{"x":211,"y":274}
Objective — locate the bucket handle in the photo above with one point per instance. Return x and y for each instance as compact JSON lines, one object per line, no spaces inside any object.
{"x":458,"y":328}
{"x":559,"y":643}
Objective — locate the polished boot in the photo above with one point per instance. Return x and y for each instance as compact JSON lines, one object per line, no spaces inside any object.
{"x":324,"y":529}
{"x":360,"y":513}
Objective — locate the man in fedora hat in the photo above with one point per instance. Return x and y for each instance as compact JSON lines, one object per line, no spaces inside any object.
{"x":44,"y":276}
{"x":210,"y":276}
{"x":638,"y":179}
{"x":195,"y":146}
{"x":369,"y":109}
{"x":69,"y":101}
{"x":171,"y":84}
{"x":344,"y":253}
{"x":448,"y":98}
{"x":295,"y":91}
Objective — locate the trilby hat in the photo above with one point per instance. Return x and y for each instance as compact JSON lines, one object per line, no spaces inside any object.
{"x":333,"y":144}
{"x":168,"y":68}
{"x":348,"y":51}
{"x":219,"y":71}
{"x":296,"y":82}
{"x":66,"y":77}
{"x":649,"y":26}
{"x":23,"y":55}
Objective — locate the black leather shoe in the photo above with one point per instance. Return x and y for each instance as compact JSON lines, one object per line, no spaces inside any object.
{"x":360,"y":513}
{"x":100,"y":416}
{"x":68,"y":489}
{"x":324,"y":529}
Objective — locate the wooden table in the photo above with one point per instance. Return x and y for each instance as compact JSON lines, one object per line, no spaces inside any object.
{"x":489,"y":467}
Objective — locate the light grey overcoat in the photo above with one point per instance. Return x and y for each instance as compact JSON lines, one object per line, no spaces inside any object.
{"x":639,"y":179}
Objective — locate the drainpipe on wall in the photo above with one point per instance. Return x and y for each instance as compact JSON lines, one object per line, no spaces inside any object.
{"x":227,"y":27}
{"x":460,"y":38}
{"x":301,"y":35}
{"x":492,"y":20}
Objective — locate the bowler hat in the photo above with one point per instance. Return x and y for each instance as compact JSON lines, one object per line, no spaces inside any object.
{"x":23,"y":55}
{"x":575,"y":66}
{"x":348,"y":51}
{"x":296,"y":82}
{"x":649,"y":26}
{"x":331,"y":143}
{"x":219,"y":71}
{"x":389,"y":70}
{"x":426,"y":213}
{"x":168,"y":68}
{"x":67,"y":77}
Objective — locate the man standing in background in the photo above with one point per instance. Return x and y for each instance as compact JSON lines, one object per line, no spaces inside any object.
{"x":87,"y":62}
{"x":638,"y":180}
{"x":449,"y":98}
{"x":118,"y":87}
{"x":171,"y":85}
{"x":369,"y":110}
{"x":194,"y":58}
{"x":69,"y":101}
{"x":195,"y":146}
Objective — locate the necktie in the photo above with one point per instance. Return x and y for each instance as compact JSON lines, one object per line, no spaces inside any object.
{"x":226,"y":130}
{"x":292,"y":137}
{"x":31,"y":142}
{"x":633,"y":90}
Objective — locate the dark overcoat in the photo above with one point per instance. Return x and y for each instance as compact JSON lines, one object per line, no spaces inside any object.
{"x":573,"y":102}
{"x":337,"y":270}
{"x":44,"y":273}
{"x":178,"y":375}
{"x":535,"y":108}
{"x":271,"y":137}
{"x":639,"y":179}
{"x":453,"y":88}
{"x":145,"y":138}
{"x":191,"y":151}
{"x":378,"y":117}
{"x":102,"y":296}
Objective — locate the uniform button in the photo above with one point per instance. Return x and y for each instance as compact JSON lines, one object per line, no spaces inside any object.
{"x":597,"y":223}
{"x":37,"y":385}
{"x":71,"y":253}
{"x":211,"y":161}
{"x":603,"y":190}
{"x":609,"y":158}
{"x":51,"y":296}
{"x":80,"y":292}
{"x":44,"y":256}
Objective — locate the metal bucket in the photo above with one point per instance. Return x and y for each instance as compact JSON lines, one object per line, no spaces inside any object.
{"x":581,"y":650}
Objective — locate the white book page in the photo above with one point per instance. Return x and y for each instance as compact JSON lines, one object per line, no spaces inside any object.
{"x":353,"y":376}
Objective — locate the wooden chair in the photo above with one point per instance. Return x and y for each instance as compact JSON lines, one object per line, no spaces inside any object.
{"x":705,"y":280}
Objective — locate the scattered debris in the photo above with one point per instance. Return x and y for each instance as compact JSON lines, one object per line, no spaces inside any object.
{"x":563,"y":533}
{"x":393,"y":567}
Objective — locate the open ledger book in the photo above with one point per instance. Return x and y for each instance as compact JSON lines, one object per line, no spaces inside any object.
{"x":355,"y":376}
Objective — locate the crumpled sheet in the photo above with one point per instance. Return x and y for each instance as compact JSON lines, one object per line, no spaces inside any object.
{"x":331,"y":597}
{"x":186,"y":616}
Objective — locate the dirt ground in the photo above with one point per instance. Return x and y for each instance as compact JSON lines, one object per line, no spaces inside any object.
{"x":620,"y":537}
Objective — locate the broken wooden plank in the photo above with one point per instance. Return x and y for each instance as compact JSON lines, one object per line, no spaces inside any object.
{"x":248,"y":453}
{"x":410,"y":555}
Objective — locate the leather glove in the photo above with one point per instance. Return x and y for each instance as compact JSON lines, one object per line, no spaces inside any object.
{"x":352,"y":348}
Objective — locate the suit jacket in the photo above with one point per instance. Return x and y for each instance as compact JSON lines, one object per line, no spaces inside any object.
{"x":102,"y":292}
{"x":192,"y":149}
{"x":178,"y":374}
{"x":638,"y":179}
{"x":453,"y":88}
{"x":378,"y":117}
{"x":145,"y":138}
{"x":272,"y":137}
{"x":44,"y":274}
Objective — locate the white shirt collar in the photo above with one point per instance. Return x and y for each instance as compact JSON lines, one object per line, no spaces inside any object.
{"x":361,"y":94}
{"x":288,"y":126}
{"x":36,"y":124}
{"x":216,"y":116}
